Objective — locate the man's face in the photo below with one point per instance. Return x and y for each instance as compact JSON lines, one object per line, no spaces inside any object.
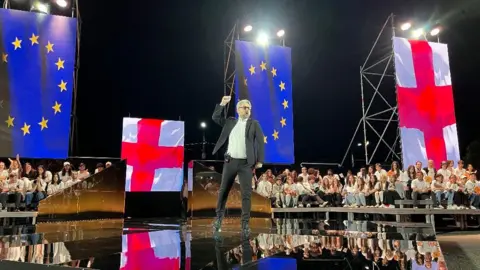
{"x":244,"y":110}
{"x":304,"y":170}
{"x":419,"y":165}
{"x":419,"y":175}
{"x":430,"y":163}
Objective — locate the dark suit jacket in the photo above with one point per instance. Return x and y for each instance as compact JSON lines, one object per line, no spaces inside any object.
{"x":253,"y":138}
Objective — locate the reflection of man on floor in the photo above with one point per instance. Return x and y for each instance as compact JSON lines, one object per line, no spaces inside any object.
{"x":245,"y":150}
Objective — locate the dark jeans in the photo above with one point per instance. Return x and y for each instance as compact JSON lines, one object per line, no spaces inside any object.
{"x":244,"y":171}
{"x":16,"y":197}
{"x":390,"y":196}
{"x":423,"y":196}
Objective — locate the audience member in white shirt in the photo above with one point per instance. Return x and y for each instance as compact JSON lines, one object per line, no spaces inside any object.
{"x":3,"y":171}
{"x":444,"y":171}
{"x":421,"y":190}
{"x":13,"y":188}
{"x":379,"y":172}
{"x":82,"y":172}
{"x":418,"y":168}
{"x":438,"y":187}
{"x":264,"y":187}
{"x":55,"y":186}
{"x":460,"y":170}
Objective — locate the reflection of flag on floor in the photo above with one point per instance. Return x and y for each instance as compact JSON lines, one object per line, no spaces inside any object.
{"x":151,"y":250}
{"x":264,"y":76}
{"x":37,"y":58}
{"x":154,"y":152}
{"x":425,"y":102}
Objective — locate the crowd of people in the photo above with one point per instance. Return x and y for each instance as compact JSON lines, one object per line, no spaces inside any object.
{"x":25,"y":186}
{"x":373,"y":186}
{"x":341,"y":246}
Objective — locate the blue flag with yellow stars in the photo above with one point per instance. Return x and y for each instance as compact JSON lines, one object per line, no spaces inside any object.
{"x":264,"y":76}
{"x":37,"y":56}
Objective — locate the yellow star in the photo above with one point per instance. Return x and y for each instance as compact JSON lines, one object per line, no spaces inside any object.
{"x":49,"y":47}
{"x":34,"y":39}
{"x":282,"y":86}
{"x":10,"y":121}
{"x":56,"y":108}
{"x":4,"y":57}
{"x":245,"y":82}
{"x":265,"y":139}
{"x":25,"y":129}
{"x":275,"y":135}
{"x":263,"y":65}
{"x":60,"y":63}
{"x":17,"y":43}
{"x":274,"y":72}
{"x":63,"y":86}
{"x":283,"y":122}
{"x":44,"y":123}
{"x":285,"y":104}
{"x":252,"y":70}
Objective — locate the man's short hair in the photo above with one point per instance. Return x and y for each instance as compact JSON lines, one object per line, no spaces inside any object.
{"x":242,"y":102}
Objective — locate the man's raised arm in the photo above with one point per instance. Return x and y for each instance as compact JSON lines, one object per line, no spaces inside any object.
{"x":217,"y":113}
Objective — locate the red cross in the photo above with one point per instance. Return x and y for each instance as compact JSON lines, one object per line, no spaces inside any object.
{"x":141,"y":255}
{"x":146,"y":155}
{"x":428,"y":108}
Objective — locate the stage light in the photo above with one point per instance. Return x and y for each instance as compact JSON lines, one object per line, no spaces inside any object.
{"x":359,"y":144}
{"x":40,"y":7}
{"x":281,"y":33}
{"x":248,"y":28}
{"x":406,"y":26}
{"x":262,"y":39}
{"x":435,"y":31}
{"x":417,"y":33}
{"x":203,"y":125}
{"x":62,"y":3}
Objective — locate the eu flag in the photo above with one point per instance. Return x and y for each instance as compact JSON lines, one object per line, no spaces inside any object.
{"x":264,"y":76}
{"x":36,"y":83}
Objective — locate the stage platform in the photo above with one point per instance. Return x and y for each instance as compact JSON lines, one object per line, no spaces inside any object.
{"x":273,"y":244}
{"x":10,"y":218}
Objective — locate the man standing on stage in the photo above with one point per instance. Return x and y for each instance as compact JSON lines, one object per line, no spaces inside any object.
{"x":245,"y":151}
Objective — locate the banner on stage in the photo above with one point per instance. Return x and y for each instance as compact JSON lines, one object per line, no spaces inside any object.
{"x":264,"y":76}
{"x":154,"y":152}
{"x":425,"y":102}
{"x":37,"y":59}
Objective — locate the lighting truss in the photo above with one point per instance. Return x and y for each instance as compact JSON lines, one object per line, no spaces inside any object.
{"x":379,"y":127}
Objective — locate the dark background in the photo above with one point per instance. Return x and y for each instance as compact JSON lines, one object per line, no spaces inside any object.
{"x":164,"y":59}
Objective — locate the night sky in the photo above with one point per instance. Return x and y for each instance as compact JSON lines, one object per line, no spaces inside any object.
{"x":164,"y":59}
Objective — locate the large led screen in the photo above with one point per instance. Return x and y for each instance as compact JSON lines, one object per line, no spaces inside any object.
{"x":154,"y":152}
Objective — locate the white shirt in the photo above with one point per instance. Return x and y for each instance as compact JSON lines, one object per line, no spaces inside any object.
{"x":446,"y":173}
{"x":419,"y":184}
{"x":236,"y":141}
{"x":380,"y":173}
{"x":264,"y":188}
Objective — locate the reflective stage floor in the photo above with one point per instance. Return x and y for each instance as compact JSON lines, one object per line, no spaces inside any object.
{"x":273,"y":244}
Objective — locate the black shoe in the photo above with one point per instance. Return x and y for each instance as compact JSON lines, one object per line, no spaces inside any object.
{"x":217,"y":225}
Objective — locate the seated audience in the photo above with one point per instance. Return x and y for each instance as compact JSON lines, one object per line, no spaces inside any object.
{"x":349,"y":192}
{"x":55,"y":186}
{"x":82,"y":172}
{"x":277,"y":192}
{"x":264,"y":187}
{"x":291,"y":193}
{"x":310,"y":196}
{"x":473,"y":197}
{"x":438,"y":188}
{"x":421,"y":190}
{"x":66,"y":173}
